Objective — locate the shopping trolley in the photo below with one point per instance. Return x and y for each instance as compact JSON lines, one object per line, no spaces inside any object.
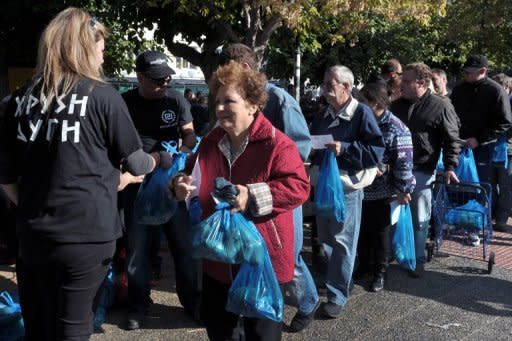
{"x":461,"y":213}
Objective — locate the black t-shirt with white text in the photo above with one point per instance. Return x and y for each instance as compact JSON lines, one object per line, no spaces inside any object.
{"x":66,"y":161}
{"x":158,"y":120}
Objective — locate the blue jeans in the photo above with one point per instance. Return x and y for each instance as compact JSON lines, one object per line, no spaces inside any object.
{"x":180,"y":243}
{"x":421,"y":209}
{"x":501,"y":195}
{"x":340,"y":244}
{"x":301,"y":292}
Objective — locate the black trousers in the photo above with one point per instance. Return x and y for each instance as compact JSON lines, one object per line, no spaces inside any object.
{"x":374,"y":244}
{"x":222,"y":325}
{"x":58,"y":291}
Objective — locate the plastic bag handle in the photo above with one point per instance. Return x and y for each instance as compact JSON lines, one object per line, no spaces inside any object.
{"x":170,"y":146}
{"x":7,"y":299}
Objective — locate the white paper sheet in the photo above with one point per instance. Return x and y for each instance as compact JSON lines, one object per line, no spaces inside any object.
{"x":395,"y":211}
{"x":319,"y":141}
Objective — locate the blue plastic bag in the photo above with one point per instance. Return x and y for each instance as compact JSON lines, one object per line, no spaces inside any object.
{"x":255,"y":292}
{"x":466,"y":170}
{"x":440,"y":164}
{"x":472,"y":214}
{"x":228,"y":238}
{"x":403,"y":239}
{"x":329,"y":194}
{"x":11,"y":321}
{"x":152,"y":204}
{"x":499,"y":155}
{"x":106,"y":299}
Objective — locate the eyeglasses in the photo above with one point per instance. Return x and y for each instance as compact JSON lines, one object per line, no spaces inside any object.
{"x":328,"y":86}
{"x":160,"y":81}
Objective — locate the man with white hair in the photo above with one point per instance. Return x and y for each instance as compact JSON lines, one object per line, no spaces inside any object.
{"x":358,"y":146}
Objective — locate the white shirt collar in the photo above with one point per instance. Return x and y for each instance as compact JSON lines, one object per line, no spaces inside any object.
{"x":346,"y":112}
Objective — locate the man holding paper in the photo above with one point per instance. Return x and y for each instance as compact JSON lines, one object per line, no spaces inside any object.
{"x":358,"y":147}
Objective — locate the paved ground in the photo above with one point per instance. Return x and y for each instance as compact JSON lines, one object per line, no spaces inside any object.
{"x":456,"y":300}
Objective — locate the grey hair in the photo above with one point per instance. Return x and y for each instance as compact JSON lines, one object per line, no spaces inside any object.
{"x":342,"y":74}
{"x":440,"y":72}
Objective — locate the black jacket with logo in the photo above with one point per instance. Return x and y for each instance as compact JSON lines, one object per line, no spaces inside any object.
{"x":434,"y":125}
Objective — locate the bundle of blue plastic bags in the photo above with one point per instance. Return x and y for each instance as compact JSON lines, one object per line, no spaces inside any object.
{"x":228,"y":238}
{"x":329,"y":201}
{"x":233,"y":239}
{"x":153,"y":206}
{"x":11,"y":321}
{"x":403,"y":239}
{"x":470,"y":215}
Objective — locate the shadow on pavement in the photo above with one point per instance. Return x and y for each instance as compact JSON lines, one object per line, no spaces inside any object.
{"x":469,"y":288}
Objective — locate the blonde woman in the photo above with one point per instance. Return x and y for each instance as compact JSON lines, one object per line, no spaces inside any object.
{"x":64,"y":138}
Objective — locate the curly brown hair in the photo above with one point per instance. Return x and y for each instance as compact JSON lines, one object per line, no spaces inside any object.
{"x":250,"y":84}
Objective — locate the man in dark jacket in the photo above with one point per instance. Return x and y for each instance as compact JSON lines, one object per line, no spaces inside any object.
{"x":433,"y":124}
{"x":484,"y":110}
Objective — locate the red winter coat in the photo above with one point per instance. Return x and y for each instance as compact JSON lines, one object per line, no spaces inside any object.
{"x":270,"y":157}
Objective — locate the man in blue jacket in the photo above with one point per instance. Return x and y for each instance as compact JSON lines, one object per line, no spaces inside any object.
{"x":358,"y":146}
{"x":284,"y":112}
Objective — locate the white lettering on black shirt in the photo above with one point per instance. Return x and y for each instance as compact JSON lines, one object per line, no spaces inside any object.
{"x":69,"y":129}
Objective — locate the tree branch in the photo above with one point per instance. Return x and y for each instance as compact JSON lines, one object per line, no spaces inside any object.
{"x":273,"y":24}
{"x":184,"y":51}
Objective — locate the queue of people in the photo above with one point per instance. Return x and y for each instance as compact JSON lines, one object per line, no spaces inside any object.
{"x":72,"y":150}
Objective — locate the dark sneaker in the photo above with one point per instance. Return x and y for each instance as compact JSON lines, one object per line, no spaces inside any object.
{"x":378,"y":283}
{"x":331,"y":310}
{"x":418,"y":272}
{"x":300,"y":321}
{"x":135,"y":318}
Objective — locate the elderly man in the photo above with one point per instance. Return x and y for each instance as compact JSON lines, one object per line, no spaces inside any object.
{"x":433,"y":124}
{"x":358,"y":146}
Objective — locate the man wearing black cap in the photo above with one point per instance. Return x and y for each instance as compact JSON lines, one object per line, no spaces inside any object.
{"x":484,"y":110}
{"x":159,"y":114}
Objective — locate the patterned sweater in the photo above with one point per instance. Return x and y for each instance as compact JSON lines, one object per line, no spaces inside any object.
{"x":396,"y":165}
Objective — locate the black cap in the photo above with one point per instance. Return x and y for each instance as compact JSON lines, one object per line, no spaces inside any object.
{"x":475,"y":63}
{"x":153,"y":64}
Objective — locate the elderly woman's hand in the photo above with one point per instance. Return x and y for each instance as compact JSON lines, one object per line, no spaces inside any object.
{"x":182,"y":187}
{"x":336,"y":147}
{"x":241,"y":202}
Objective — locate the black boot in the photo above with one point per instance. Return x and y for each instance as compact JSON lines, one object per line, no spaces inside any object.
{"x":378,"y":282}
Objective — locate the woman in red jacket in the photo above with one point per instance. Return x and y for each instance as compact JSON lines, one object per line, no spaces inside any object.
{"x":268,"y":172}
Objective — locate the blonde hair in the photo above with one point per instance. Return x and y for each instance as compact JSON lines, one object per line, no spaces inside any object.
{"x":67,"y":53}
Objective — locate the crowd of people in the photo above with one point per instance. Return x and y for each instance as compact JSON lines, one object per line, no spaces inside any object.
{"x":73,"y":153}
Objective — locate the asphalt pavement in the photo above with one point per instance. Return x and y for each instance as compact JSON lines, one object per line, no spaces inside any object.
{"x":455,"y":300}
